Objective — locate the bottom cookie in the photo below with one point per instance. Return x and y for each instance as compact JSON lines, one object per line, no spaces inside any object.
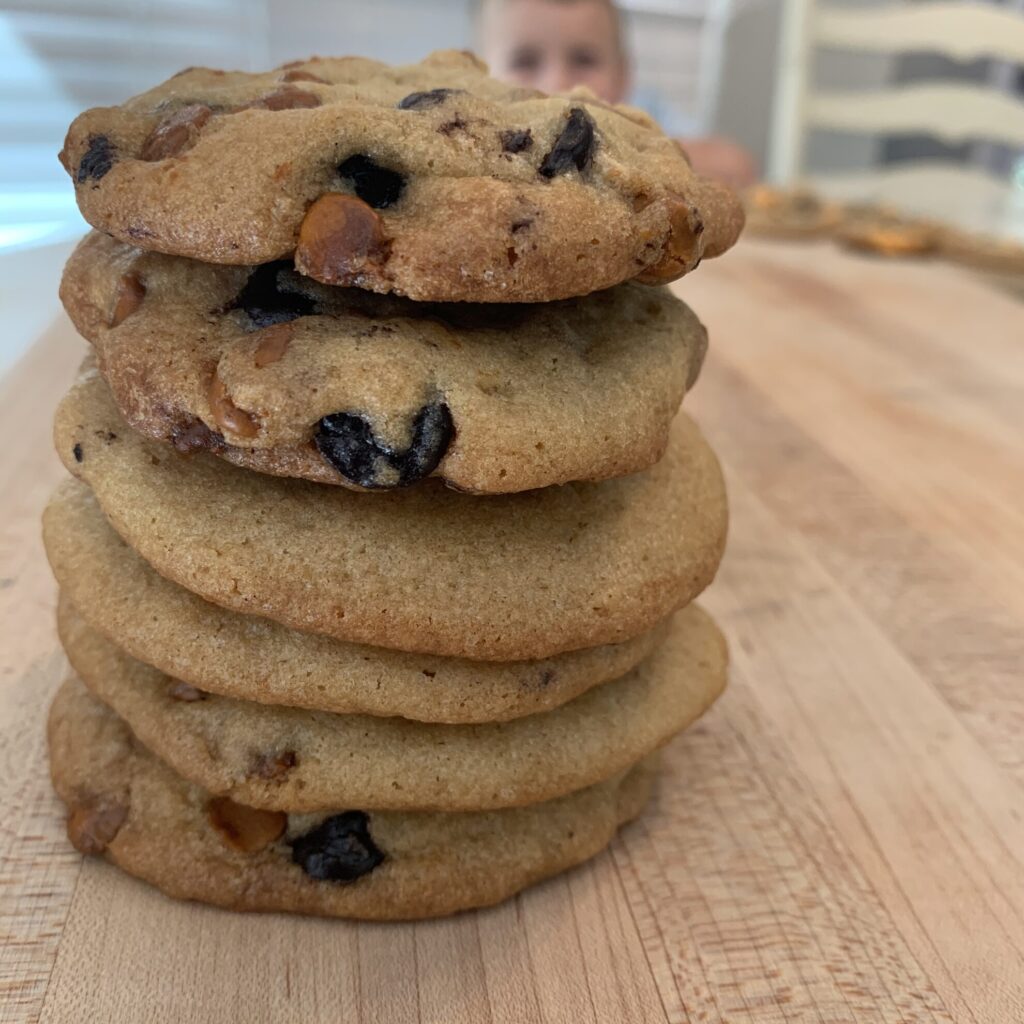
{"x":125,"y":803}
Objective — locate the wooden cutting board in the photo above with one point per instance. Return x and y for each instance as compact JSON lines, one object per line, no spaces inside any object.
{"x":840,"y":840}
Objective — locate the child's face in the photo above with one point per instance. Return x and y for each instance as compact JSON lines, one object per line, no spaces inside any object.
{"x":554,"y":46}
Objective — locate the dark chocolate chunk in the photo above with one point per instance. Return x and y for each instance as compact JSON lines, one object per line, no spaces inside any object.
{"x":98,"y":159}
{"x":193,"y":435}
{"x":516,"y":140}
{"x":573,"y":148}
{"x":375,"y":185}
{"x":347,"y":442}
{"x":265,"y":302}
{"x":340,"y":849}
{"x":425,"y":100}
{"x":77,"y":452}
{"x":273,"y":766}
{"x":456,"y":124}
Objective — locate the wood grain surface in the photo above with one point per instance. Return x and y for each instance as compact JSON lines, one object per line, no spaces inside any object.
{"x":840,"y":840}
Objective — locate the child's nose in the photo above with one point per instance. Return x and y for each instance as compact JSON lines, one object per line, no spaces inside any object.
{"x":558,"y":77}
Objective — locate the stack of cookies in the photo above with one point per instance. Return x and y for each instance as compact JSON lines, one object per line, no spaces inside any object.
{"x":377,"y":565}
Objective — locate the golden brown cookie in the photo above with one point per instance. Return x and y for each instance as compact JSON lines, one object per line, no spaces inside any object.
{"x":789,"y":213}
{"x":279,"y":374}
{"x":879,"y":230}
{"x":432,"y":180}
{"x":504,"y":578}
{"x":278,"y":758}
{"x":256,"y":659}
{"x":124,"y":803}
{"x":982,"y":252}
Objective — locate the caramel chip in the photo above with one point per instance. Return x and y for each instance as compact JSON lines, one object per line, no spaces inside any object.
{"x":274,"y":342}
{"x":226,"y":414}
{"x":684,"y":247}
{"x":175,"y":133}
{"x":194,"y":435}
{"x":298,"y":75}
{"x":130,"y":293}
{"x":340,"y":237}
{"x":246,"y":829}
{"x":287,"y":98}
{"x":92,"y":828}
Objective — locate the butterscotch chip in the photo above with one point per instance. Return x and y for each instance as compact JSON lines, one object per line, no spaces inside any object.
{"x":287,"y":98}
{"x":341,"y":236}
{"x":92,"y":828}
{"x":298,"y":75}
{"x":273,"y":344}
{"x":247,"y":829}
{"x":175,"y":133}
{"x":128,"y":298}
{"x":684,"y":247}
{"x":227,"y":415}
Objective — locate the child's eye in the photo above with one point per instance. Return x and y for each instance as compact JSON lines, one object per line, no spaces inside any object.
{"x":526,"y":59}
{"x":584,"y":59}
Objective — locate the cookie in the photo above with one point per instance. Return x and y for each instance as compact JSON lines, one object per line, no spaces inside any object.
{"x":255,"y":659}
{"x":789,"y":213}
{"x":278,"y":758}
{"x":504,"y":578}
{"x":276,"y":373}
{"x":982,"y":252}
{"x":433,"y":180}
{"x":880,"y":231}
{"x":124,"y":803}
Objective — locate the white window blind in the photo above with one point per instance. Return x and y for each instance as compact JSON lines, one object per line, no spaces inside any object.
{"x":58,"y":57}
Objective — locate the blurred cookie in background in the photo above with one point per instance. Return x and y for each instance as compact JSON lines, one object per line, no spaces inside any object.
{"x":798,"y":212}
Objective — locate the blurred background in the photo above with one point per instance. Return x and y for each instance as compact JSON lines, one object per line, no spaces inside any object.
{"x":916,"y":104}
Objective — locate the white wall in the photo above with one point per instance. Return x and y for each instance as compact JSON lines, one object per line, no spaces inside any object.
{"x":395,"y":31}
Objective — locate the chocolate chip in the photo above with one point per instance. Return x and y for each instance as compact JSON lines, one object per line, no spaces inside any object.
{"x":77,"y":452}
{"x":347,"y":442}
{"x":456,"y":124}
{"x":573,"y":148}
{"x":375,"y":185}
{"x":195,"y":436}
{"x":265,"y":302}
{"x":274,"y":766}
{"x":425,"y":100}
{"x":340,"y":849}
{"x":516,"y":140}
{"x":98,"y":159}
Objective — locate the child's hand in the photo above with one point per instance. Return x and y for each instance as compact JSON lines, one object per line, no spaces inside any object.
{"x":721,"y":159}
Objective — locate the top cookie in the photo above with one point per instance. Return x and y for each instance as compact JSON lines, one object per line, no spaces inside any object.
{"x":432,"y":180}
